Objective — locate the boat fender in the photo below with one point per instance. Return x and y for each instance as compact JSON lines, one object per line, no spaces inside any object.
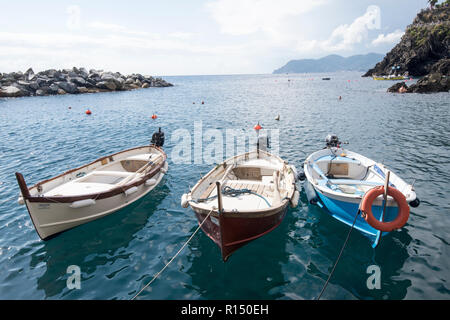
{"x":311,"y":193}
{"x":295,"y":198}
{"x":150,"y":182}
{"x":294,"y":170}
{"x":21,"y":201}
{"x":82,"y":203}
{"x":184,"y":201}
{"x":163,"y":170}
{"x":301,"y":176}
{"x":415,"y":203}
{"x":403,"y":209}
{"x":130,"y":191}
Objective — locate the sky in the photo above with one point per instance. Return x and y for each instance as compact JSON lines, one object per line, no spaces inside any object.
{"x":194,"y":37}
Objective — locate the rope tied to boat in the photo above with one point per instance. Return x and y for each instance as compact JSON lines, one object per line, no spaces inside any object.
{"x":230,"y":192}
{"x":340,"y":254}
{"x":173,"y":258}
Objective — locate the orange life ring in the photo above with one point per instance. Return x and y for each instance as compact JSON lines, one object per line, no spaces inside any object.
{"x":403,"y":213}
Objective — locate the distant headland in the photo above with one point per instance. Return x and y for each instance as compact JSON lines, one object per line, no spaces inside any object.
{"x":331,"y":63}
{"x":72,"y":81}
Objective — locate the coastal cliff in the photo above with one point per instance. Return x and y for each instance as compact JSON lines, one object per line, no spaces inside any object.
{"x":72,"y":81}
{"x":423,"y":51}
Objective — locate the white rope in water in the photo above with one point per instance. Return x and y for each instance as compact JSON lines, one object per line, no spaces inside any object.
{"x":173,"y":258}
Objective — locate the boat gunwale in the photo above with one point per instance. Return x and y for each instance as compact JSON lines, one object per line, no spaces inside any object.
{"x":254,"y":213}
{"x":267,"y":211}
{"x":364,"y":161}
{"x":25,"y":191}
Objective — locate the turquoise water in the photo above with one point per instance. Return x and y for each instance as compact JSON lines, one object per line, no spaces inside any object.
{"x":41,"y":137}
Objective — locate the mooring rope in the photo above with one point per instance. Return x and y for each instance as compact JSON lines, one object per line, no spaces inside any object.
{"x":228,"y":191}
{"x":340,"y":254}
{"x":173,"y":258}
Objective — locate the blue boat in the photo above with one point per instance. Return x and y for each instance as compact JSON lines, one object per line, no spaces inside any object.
{"x":338,"y":181}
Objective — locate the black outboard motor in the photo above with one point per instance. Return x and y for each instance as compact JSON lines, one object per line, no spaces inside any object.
{"x":158,"y":138}
{"x":263,"y":143}
{"x":333,"y":141}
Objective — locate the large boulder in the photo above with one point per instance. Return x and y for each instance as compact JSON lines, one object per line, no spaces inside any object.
{"x":107,"y":85}
{"x":433,"y":82}
{"x":53,"y":89}
{"x":79,"y":81}
{"x":68,"y":87}
{"x":399,"y":87}
{"x":29,"y":74}
{"x":13,"y":91}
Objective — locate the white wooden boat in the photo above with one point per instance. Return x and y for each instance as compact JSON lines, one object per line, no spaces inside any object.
{"x":256,"y":190}
{"x":92,"y":191}
{"x":339,"y":180}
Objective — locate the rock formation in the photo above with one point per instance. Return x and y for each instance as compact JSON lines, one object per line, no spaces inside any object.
{"x":72,"y":81}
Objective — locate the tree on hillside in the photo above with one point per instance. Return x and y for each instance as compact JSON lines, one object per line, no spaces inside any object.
{"x":432,"y":3}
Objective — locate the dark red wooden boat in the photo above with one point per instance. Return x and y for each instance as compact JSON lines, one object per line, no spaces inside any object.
{"x":243,"y":199}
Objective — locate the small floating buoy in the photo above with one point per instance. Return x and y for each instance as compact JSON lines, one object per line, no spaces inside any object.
{"x":70,"y":108}
{"x":88,"y":112}
{"x":154,"y":116}
{"x":193,"y":102}
{"x":340,"y":98}
{"x":203,"y":102}
{"x":277,"y":118}
{"x":257,"y":127}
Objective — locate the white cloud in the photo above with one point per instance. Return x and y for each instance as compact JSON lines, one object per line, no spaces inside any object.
{"x":391,"y":38}
{"x":345,"y":36}
{"x":244,"y":17}
{"x":116,"y":28}
{"x":74,"y":19}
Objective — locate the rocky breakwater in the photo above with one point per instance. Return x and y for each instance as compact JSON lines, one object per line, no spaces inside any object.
{"x":72,"y":81}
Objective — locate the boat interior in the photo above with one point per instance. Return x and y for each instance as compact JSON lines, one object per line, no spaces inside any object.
{"x":106,"y":177}
{"x":343,"y":174}
{"x":265,"y":181}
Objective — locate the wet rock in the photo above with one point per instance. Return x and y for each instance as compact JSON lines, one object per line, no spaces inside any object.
{"x":397,"y":87}
{"x":434,"y":82}
{"x":68,"y":87}
{"x":12,"y":91}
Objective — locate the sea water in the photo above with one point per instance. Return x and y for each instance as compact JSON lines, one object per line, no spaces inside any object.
{"x":117,"y":255}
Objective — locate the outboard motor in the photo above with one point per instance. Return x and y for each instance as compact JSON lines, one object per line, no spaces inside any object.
{"x":158,"y":138}
{"x":332,"y":141}
{"x":263,"y":143}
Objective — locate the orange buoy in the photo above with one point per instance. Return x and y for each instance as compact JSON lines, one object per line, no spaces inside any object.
{"x":154,"y":116}
{"x":257,"y":127}
{"x":88,"y":112}
{"x":403,"y":209}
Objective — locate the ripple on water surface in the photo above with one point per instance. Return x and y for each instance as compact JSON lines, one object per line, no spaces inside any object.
{"x":42,"y":137}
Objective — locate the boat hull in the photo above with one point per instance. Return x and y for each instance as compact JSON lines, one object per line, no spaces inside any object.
{"x":52,"y":218}
{"x":53,"y":214}
{"x":232,"y":230}
{"x":345,"y":211}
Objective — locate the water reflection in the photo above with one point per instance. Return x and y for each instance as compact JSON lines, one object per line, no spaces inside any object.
{"x":351,"y":273}
{"x":95,"y":244}
{"x":252,"y":272}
